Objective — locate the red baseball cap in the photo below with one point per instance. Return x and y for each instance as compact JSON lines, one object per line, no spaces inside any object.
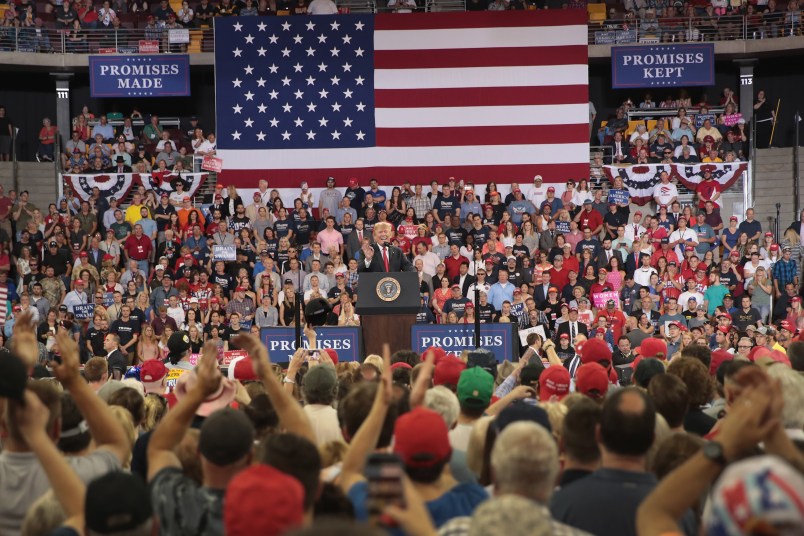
{"x":718,"y":358}
{"x":247,"y":512}
{"x":83,"y":254}
{"x":242,"y":369}
{"x":724,"y":329}
{"x":353,"y":182}
{"x":448,"y":371}
{"x":421,"y":438}
{"x":595,"y":350}
{"x":592,"y":380}
{"x":551,"y":189}
{"x":733,"y":218}
{"x":653,"y":347}
{"x":774,"y":247}
{"x":333,"y":355}
{"x":555,"y":381}
{"x":438,"y":352}
{"x":152,"y":371}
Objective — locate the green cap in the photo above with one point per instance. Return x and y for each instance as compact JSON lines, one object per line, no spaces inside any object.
{"x":475,"y":387}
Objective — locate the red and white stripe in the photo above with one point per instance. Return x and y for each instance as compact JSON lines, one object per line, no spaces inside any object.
{"x":484,"y":96}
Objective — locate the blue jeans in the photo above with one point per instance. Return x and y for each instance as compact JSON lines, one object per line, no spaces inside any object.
{"x":145,"y":266}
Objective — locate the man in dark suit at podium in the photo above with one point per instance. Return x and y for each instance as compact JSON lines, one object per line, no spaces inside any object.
{"x":381,"y":256}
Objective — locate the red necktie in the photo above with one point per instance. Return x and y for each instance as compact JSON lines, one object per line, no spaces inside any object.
{"x":385,"y":258}
{"x":360,"y":236}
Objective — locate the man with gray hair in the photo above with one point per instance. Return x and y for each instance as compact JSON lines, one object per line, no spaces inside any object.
{"x":525,"y":466}
{"x":444,"y":402}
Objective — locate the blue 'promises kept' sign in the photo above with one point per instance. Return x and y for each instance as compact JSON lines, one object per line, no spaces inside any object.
{"x":663,"y":65}
{"x":165,"y":75}
{"x":455,"y":338}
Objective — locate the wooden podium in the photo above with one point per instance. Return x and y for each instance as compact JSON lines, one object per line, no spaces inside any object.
{"x":387,"y":303}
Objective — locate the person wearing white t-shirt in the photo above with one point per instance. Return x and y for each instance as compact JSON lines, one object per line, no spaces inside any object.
{"x":665,"y":192}
{"x":322,"y":7}
{"x":538,"y":193}
{"x":208,"y":147}
{"x":683,"y":237}
{"x":175,"y":310}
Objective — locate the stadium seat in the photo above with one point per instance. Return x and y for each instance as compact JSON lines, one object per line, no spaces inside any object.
{"x":632,"y":126}
{"x":196,"y":38}
{"x":283,"y":13}
{"x":651,"y":124}
{"x":597,"y":12}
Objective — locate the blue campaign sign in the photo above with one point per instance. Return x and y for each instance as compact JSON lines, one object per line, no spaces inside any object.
{"x":562,"y":226}
{"x":281,"y":342}
{"x":663,"y":65}
{"x":164,"y":75}
{"x":619,"y":196}
{"x":455,"y":338}
{"x":84,"y":311}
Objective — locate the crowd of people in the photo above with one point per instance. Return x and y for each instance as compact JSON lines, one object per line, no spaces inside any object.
{"x":715,"y":20}
{"x":85,"y":20}
{"x":662,"y":347}
{"x":705,"y":442}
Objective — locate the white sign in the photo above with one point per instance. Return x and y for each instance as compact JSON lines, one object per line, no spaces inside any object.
{"x":523,"y":334}
{"x":178,"y":36}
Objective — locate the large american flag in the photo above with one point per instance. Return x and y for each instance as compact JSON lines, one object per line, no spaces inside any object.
{"x":484,"y":96}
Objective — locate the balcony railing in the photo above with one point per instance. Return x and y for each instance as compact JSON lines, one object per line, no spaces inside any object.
{"x":42,"y":39}
{"x":693,"y":29}
{"x":106,"y":41}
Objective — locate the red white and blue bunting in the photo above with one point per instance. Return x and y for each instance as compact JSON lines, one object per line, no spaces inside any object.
{"x":641,"y":179}
{"x":118,"y":185}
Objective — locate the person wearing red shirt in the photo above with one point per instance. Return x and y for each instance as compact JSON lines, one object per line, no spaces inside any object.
{"x":665,"y":252}
{"x":570,"y":260}
{"x":601,"y":285}
{"x":614,"y":317}
{"x":202,"y":290}
{"x":559,"y":275}
{"x":589,"y":217}
{"x":656,"y":233}
{"x":673,"y":282}
{"x":139,"y":247}
{"x":708,"y":190}
{"x":454,"y":261}
{"x":701,"y":280}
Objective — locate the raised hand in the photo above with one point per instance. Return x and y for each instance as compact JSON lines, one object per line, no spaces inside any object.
{"x":256,"y":352}
{"x":207,"y":372}
{"x":23,"y":341}
{"x":67,"y":369}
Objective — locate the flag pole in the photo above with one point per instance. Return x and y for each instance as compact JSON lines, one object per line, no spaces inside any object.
{"x":773,"y":128}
